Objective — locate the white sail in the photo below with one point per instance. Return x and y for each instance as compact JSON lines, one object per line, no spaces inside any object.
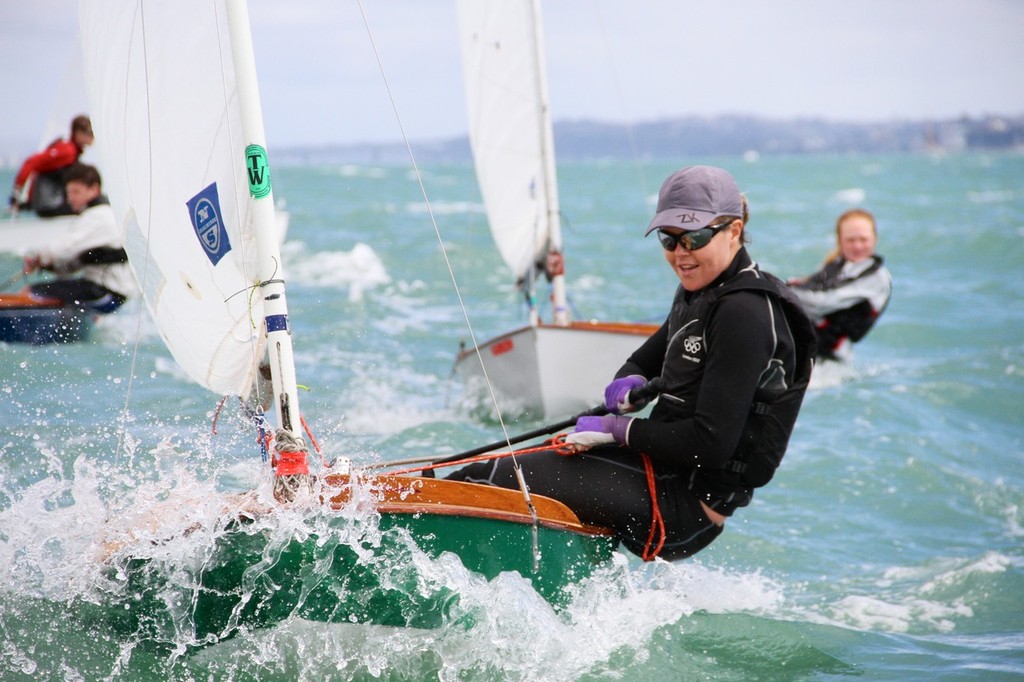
{"x":165,"y":111}
{"x":510,"y":127}
{"x":69,"y":101}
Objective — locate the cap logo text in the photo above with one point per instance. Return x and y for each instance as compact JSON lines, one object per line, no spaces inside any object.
{"x":686,"y":218}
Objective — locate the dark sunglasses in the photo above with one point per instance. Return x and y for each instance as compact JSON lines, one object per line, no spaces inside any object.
{"x":691,"y":241}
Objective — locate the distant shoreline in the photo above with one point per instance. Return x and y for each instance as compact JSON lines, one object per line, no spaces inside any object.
{"x":733,"y":135}
{"x":706,"y":136}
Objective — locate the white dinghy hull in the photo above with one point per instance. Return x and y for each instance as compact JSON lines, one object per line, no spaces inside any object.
{"x":551,"y":370}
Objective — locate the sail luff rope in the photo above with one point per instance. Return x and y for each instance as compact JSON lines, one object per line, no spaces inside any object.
{"x":451,"y":272}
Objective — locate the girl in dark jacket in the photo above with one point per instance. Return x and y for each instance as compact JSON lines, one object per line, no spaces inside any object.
{"x":851,"y":290}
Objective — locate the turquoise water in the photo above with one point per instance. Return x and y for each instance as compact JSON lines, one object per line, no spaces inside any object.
{"x":889,"y":546}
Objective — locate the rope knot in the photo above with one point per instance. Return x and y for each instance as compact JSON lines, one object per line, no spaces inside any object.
{"x":563,"y":447}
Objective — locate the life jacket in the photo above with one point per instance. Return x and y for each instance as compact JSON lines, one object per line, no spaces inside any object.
{"x":48,"y":195}
{"x":43,"y":173}
{"x":777,"y":400}
{"x":851,"y":323}
{"x":829,"y":276}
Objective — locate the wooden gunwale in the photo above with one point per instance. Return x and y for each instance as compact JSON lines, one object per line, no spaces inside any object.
{"x":417,"y":495}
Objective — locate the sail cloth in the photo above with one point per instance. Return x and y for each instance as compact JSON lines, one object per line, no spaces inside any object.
{"x":163,"y":103}
{"x":510,"y":127}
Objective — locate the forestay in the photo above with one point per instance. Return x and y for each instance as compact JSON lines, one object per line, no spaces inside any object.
{"x":165,"y":109}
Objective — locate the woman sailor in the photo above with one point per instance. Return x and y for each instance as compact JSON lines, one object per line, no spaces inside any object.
{"x":734,"y":358}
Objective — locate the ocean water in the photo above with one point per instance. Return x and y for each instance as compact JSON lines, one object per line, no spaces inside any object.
{"x":889,"y":546}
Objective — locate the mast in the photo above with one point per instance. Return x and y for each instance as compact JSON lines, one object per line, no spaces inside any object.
{"x":271,"y":271}
{"x":556,"y":268}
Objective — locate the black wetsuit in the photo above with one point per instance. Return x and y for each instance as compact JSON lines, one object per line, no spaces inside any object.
{"x":736,"y":357}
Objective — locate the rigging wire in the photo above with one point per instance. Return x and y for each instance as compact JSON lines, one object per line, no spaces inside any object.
{"x":122,"y":430}
{"x":448,"y":264}
{"x":617,"y":87}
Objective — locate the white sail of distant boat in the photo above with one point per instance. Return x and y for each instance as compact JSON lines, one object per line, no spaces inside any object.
{"x":555,"y":368}
{"x":511,"y":136}
{"x":174,"y":97}
{"x":69,"y":101}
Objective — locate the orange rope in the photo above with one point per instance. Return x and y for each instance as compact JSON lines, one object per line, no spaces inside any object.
{"x":657,"y":522}
{"x":562,"y":446}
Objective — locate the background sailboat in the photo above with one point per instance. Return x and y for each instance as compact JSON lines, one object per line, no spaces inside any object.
{"x":26,"y":318}
{"x":175,"y":103}
{"x":553,"y":368}
{"x":26,"y":232}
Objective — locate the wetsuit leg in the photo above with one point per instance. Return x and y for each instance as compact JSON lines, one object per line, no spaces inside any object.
{"x":688,"y":529}
{"x":607,"y":486}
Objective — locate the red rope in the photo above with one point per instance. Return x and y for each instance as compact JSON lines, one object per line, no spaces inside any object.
{"x":312,"y":439}
{"x":216,"y":414}
{"x":562,"y":446}
{"x":657,"y":522}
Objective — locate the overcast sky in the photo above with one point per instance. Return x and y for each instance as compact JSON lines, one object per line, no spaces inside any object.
{"x":624,"y":60}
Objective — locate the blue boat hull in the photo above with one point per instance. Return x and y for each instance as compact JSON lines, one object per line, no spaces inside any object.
{"x":28,"y":319}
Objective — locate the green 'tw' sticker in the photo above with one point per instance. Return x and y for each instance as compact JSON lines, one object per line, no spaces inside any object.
{"x":259,"y":171}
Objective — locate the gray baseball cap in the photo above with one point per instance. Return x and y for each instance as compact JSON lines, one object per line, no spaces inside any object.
{"x":694,"y":196}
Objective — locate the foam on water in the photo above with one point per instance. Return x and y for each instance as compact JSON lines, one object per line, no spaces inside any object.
{"x":445,"y":207}
{"x":853,"y":196}
{"x":358,"y":269}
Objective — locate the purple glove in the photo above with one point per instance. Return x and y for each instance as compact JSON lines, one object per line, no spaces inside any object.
{"x":591,"y":431}
{"x":616,"y":394}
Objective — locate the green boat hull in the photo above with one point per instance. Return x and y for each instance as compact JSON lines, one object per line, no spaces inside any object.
{"x":250,"y":582}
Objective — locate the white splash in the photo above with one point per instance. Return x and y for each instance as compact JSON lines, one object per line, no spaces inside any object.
{"x":852,"y":196}
{"x":359,"y":269}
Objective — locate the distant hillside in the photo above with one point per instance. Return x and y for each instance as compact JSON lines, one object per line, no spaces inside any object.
{"x":707,"y":136}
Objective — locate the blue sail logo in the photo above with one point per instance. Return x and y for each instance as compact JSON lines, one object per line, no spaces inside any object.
{"x":204,"y":211}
